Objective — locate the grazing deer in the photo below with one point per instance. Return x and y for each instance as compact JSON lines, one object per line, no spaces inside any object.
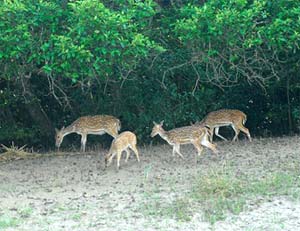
{"x":226,"y":117}
{"x":123,"y":142}
{"x":96,"y":125}
{"x":196,"y":135}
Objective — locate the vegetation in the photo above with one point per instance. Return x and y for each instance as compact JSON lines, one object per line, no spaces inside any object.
{"x":220,"y":193}
{"x":12,"y":219}
{"x":146,"y":60}
{"x":7,"y":222}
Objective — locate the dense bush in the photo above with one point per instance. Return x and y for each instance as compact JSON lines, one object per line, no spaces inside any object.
{"x":145,"y":61}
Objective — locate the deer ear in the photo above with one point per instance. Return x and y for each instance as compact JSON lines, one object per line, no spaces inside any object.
{"x":63,"y":128}
{"x":154,"y":123}
{"x":162,"y":122}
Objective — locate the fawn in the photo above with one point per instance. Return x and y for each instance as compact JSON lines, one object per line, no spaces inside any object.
{"x":96,"y":125}
{"x":196,"y":135}
{"x":123,"y":142}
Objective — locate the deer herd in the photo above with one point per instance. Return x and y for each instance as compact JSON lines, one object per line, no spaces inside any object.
{"x":199,"y":134}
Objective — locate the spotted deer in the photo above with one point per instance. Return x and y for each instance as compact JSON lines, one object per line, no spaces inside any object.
{"x":196,"y":135}
{"x":226,"y":117}
{"x":123,"y":142}
{"x":96,"y":125}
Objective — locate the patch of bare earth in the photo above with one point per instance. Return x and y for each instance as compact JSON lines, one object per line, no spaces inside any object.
{"x":75,"y":192}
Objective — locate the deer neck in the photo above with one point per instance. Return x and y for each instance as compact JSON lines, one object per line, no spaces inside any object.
{"x":163,"y":134}
{"x":68,"y":130}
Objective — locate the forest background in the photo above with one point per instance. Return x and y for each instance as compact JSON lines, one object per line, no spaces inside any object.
{"x":145,"y":61}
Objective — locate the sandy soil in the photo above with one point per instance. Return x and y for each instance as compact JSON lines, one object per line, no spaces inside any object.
{"x":75,"y":192}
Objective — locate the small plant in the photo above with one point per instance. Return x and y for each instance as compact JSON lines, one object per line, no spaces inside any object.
{"x":76,"y":216}
{"x":218,"y":193}
{"x":179,"y":209}
{"x":147,"y":171}
{"x":25,"y":212}
{"x":7,"y":222}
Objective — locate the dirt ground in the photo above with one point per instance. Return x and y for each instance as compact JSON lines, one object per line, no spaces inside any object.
{"x":75,"y":192}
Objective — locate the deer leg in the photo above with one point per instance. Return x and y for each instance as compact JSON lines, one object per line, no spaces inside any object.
{"x":211,"y":146}
{"x":198,"y":147}
{"x":211,"y":132}
{"x":246,"y":131}
{"x":83,"y":142}
{"x":108,"y":159}
{"x":118,"y":159}
{"x":134,"y":149}
{"x":176,"y":148}
{"x":127,"y":154}
{"x":217,"y":134}
{"x":237,"y":131}
{"x":174,"y":151}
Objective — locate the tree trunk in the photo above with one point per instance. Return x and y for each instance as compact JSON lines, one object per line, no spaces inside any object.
{"x":34,"y":108}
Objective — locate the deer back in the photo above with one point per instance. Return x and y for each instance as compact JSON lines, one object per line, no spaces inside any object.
{"x":98,"y":122}
{"x":123,"y":140}
{"x":187,"y":134}
{"x":224,"y":116}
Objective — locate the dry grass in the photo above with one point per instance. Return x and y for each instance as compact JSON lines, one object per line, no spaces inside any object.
{"x":16,"y":153}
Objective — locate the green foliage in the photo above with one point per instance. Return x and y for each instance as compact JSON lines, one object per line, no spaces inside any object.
{"x":145,"y":61}
{"x":8,"y":222}
{"x":99,"y":40}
